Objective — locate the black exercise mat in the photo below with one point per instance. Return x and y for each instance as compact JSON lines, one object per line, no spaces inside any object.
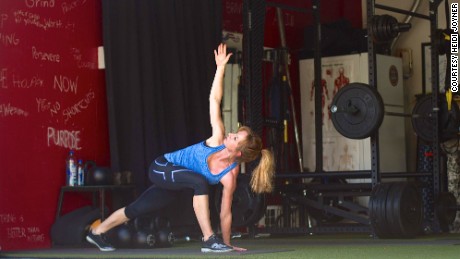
{"x":173,"y":252}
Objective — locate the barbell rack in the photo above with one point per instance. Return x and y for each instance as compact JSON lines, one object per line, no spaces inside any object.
{"x":374,"y":175}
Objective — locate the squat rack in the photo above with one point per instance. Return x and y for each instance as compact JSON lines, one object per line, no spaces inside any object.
{"x":433,"y":19}
{"x":251,"y":80}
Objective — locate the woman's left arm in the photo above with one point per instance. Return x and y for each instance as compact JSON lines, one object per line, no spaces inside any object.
{"x":215,"y":96}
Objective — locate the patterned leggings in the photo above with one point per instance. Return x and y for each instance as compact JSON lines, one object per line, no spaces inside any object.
{"x":167,"y":179}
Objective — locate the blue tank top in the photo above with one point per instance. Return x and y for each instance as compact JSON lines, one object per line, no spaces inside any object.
{"x":195,"y":158}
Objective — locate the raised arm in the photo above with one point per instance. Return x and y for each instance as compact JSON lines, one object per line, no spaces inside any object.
{"x":215,"y":97}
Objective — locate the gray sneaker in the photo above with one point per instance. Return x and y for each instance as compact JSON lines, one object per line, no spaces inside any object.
{"x":100,"y":242}
{"x":215,"y":245}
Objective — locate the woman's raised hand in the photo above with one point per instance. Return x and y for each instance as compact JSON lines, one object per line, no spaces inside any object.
{"x":221,"y":55}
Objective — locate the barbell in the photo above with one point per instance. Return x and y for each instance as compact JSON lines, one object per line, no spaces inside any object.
{"x":357,"y":112}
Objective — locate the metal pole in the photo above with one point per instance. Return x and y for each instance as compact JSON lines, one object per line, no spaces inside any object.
{"x":283,"y":44}
{"x":318,"y":86}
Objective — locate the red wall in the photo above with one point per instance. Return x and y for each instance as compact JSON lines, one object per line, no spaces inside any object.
{"x":52,"y":99}
{"x":50,"y":86}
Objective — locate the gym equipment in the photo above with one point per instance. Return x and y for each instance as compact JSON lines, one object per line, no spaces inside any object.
{"x":144,"y":239}
{"x":71,"y":228}
{"x":333,"y":201}
{"x":446,"y":209}
{"x":247,"y":206}
{"x":395,"y":210}
{"x":385,"y":28}
{"x":279,"y":17}
{"x":449,"y":120}
{"x":144,"y":223}
{"x":165,"y":238}
{"x":121,"y":236}
{"x":357,"y":112}
{"x":443,"y":41}
{"x":96,"y":175}
{"x":161,"y":222}
{"x":144,"y":232}
{"x":405,"y":210}
{"x":377,"y":215}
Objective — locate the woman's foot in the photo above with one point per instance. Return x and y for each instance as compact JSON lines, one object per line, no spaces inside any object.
{"x":215,"y":245}
{"x":100,"y":242}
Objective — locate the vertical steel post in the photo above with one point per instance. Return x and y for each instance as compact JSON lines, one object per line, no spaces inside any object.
{"x":372,"y":64}
{"x":318,"y":87}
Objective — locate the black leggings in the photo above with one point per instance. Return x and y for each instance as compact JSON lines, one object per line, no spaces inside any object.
{"x":167,"y":178}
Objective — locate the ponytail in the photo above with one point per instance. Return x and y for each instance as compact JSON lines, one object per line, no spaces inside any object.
{"x":262,"y":176}
{"x":251,"y":148}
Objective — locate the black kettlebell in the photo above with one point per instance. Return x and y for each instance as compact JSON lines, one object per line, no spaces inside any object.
{"x":165,"y":238}
{"x":144,"y":228}
{"x":96,"y":175}
{"x":162,"y":222}
{"x":143,"y":239}
{"x":121,"y":236}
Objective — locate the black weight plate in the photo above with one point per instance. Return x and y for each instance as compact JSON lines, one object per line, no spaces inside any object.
{"x":423,"y":123}
{"x":445,"y":205}
{"x":374,"y":27}
{"x":411,"y":211}
{"x":369,"y":111}
{"x":377,"y":210}
{"x":392,"y":213}
{"x":384,"y":29}
{"x":405,"y":211}
{"x":391,"y":28}
{"x":377,"y":222}
{"x":378,"y":30}
{"x":382,"y":208}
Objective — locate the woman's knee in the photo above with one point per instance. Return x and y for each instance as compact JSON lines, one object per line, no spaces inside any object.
{"x":151,"y":200}
{"x":131,"y":212}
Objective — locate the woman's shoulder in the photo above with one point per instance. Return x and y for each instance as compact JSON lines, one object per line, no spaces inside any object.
{"x":213,"y":142}
{"x":229,"y":179}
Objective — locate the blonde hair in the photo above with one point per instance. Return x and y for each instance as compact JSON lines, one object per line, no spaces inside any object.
{"x":251,"y":148}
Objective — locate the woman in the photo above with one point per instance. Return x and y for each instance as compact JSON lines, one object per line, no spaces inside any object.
{"x":209,"y":162}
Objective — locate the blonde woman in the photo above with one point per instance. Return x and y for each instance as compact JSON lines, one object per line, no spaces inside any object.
{"x":215,"y":160}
